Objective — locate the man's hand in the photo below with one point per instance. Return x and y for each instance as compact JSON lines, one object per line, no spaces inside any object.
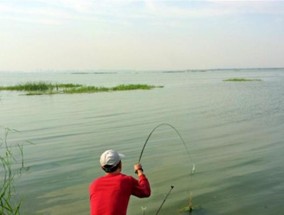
{"x":138,"y":169}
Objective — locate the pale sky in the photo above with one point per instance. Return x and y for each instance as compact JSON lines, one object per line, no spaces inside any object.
{"x":40,"y":35}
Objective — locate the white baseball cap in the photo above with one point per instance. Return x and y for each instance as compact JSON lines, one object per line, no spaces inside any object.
{"x":111,"y":158}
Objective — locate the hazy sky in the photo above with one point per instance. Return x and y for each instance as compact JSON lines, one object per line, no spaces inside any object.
{"x":140,"y":35}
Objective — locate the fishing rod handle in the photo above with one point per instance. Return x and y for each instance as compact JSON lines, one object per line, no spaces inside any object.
{"x":136,"y":171}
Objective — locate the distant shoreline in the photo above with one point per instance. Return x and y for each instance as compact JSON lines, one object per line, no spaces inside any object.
{"x":116,"y":71}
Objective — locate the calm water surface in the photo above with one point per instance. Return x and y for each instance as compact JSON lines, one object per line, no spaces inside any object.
{"x":233,"y":130}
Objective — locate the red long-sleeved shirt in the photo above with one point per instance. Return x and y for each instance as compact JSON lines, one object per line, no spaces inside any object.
{"x":109,"y":194}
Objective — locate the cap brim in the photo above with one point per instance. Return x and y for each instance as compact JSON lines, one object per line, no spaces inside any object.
{"x":121,"y":155}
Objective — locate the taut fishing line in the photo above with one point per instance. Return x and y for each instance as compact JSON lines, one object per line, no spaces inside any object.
{"x":187,"y":151}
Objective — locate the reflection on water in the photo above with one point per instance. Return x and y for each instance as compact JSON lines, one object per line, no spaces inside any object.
{"x":234,"y":132}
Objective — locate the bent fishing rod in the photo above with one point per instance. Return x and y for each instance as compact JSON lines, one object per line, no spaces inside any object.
{"x":186,"y":148}
{"x":150,"y":134}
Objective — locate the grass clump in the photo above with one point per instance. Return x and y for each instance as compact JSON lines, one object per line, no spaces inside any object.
{"x":132,"y":87}
{"x":86,"y":89}
{"x":29,"y":86}
{"x":241,"y":79}
{"x":94,"y":89}
{"x":39,"y":87}
{"x":45,"y":88}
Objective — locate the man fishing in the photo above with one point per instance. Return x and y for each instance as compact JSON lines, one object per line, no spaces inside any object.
{"x":109,"y":194}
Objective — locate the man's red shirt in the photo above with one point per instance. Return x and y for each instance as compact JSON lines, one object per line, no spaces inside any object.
{"x":109,"y":194}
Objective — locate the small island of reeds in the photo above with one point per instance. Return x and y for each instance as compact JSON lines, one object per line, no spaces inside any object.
{"x":241,"y":79}
{"x":45,"y":88}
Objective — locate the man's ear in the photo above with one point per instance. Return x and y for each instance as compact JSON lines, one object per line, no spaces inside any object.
{"x":120,"y":165}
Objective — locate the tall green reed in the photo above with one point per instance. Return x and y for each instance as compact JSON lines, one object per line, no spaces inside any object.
{"x":9,"y":170}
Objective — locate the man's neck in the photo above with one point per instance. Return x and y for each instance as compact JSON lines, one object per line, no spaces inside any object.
{"x":114,"y":173}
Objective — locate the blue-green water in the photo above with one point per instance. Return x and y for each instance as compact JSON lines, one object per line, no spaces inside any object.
{"x":233,"y":130}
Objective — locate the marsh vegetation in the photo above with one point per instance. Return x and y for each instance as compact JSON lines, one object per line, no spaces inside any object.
{"x":43,"y":88}
{"x":241,"y":79}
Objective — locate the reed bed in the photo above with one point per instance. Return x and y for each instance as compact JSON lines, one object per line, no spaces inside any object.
{"x":46,"y":88}
{"x":241,"y":79}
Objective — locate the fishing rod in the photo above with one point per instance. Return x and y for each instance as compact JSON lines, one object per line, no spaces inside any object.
{"x":172,"y":187}
{"x":177,"y":132}
{"x":187,"y":151}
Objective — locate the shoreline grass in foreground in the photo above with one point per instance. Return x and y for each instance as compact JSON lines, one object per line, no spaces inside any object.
{"x":241,"y":79}
{"x":46,"y":88}
{"x":11,"y":167}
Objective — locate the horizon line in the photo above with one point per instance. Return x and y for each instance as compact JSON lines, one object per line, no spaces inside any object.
{"x":141,"y":70}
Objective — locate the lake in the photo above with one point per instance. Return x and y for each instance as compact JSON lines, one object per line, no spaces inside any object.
{"x":232,"y":130}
